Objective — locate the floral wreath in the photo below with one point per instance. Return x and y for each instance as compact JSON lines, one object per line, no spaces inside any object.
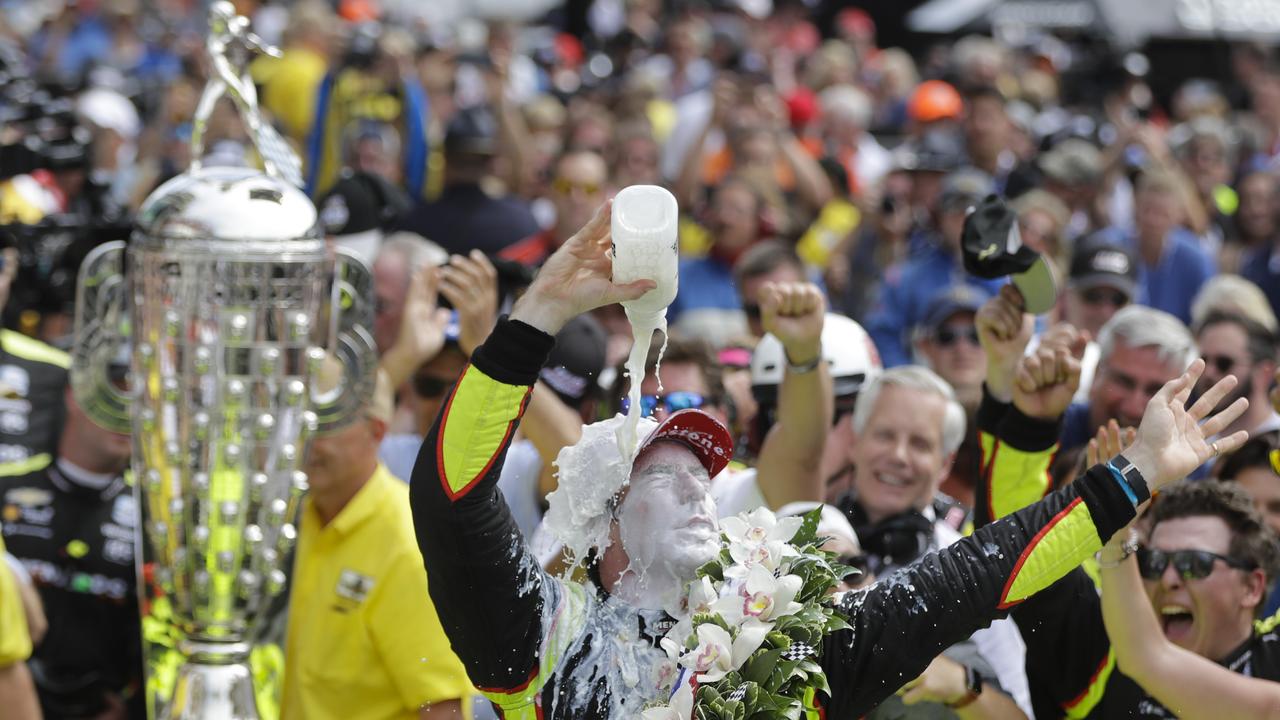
{"x":757,"y":615}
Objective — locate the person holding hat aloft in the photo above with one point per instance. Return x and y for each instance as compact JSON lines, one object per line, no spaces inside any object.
{"x":551,"y":648}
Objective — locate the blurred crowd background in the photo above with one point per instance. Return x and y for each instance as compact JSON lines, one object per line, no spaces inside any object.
{"x":828,"y":141}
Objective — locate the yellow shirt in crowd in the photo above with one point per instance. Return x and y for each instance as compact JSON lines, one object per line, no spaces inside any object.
{"x":363,"y":638}
{"x":15,"y":641}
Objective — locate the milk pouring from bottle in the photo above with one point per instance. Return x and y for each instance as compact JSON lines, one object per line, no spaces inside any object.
{"x":645,"y":247}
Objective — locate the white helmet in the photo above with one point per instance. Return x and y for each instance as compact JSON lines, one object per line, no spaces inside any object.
{"x":847,"y":349}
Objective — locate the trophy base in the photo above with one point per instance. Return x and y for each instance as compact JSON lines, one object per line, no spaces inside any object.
{"x":214,"y":682}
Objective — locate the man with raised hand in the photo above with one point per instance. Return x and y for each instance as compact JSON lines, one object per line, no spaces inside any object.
{"x":538,"y":646}
{"x":1208,"y":609}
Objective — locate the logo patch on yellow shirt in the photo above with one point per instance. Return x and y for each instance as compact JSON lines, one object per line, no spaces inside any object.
{"x":353,"y":586}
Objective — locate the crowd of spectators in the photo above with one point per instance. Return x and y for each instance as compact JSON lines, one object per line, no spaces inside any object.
{"x":457,"y":157}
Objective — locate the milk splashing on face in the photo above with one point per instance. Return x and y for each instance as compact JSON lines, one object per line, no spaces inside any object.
{"x":628,"y":436}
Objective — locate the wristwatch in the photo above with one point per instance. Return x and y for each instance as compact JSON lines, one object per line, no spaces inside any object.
{"x":801,"y":369}
{"x":973,"y":688}
{"x":1128,"y":472}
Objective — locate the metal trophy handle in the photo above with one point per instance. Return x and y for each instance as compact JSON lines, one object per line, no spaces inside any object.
{"x":101,"y":335}
{"x":350,"y":342}
{"x":228,"y":48}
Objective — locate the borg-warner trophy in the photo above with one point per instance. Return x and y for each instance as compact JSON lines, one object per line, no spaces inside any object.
{"x":231,"y":309}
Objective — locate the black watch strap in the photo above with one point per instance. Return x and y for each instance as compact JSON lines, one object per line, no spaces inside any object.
{"x":1131,"y":475}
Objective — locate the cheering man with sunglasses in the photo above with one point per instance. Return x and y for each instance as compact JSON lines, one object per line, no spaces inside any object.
{"x":1207,"y":562}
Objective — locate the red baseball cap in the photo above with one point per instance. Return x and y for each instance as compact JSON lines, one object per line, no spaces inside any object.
{"x":709,"y":440}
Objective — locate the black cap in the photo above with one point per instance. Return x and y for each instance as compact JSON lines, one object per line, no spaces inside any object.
{"x":992,"y":247}
{"x":965,"y":188}
{"x":573,"y":370}
{"x":953,"y":299}
{"x":938,"y":150}
{"x":359,"y":202}
{"x":1098,"y":263}
{"x":472,"y":130}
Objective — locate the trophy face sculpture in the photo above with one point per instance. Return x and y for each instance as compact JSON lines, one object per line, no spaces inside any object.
{"x":229,"y":306}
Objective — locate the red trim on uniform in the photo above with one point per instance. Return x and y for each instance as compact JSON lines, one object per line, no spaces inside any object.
{"x":1048,"y":472}
{"x":1092,"y":679}
{"x":991,"y":495}
{"x":444,"y":421}
{"x":1026,"y":553}
{"x":533,"y":674}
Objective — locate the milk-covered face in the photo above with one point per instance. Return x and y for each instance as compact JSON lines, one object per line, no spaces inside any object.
{"x":667,"y":520}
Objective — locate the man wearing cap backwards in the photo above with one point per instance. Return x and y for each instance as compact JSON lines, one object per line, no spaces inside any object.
{"x":542,"y":647}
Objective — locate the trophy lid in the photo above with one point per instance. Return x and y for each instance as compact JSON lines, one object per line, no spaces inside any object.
{"x":222,"y":205}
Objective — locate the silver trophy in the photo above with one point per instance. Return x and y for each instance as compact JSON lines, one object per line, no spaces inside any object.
{"x":228,"y":306}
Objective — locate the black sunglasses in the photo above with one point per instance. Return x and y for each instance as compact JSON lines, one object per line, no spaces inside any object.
{"x":948,"y":336}
{"x":1190,"y":564}
{"x":1100,"y":296}
{"x":1222,"y":363}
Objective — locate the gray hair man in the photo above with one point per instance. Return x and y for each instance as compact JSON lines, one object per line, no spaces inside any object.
{"x":1140,"y":349}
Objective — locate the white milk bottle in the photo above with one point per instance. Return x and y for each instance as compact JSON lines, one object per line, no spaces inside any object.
{"x":645,"y":247}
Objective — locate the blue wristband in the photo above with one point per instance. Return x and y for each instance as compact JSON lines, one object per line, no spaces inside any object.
{"x":1124,"y":484}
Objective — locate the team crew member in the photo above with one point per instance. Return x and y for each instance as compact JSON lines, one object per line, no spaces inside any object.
{"x":1207,"y":607}
{"x":32,"y":378}
{"x":363,"y":640}
{"x":71,"y":520}
{"x":542,"y":647}
{"x":17,"y":694}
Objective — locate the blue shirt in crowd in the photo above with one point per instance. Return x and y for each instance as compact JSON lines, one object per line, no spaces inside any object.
{"x":705,"y":282}
{"x":908,"y":287}
{"x":1172,"y":283}
{"x":1261,"y":266}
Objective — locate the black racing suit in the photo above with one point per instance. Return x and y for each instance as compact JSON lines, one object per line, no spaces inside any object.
{"x":78,"y":544}
{"x":1071,"y":668}
{"x":33,"y":378}
{"x":541,"y":647}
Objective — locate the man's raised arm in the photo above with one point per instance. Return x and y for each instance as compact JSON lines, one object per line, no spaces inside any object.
{"x":490,"y":593}
{"x":902,"y":622}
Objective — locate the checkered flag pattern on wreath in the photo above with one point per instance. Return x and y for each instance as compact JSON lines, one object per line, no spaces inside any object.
{"x":797,"y":651}
{"x":275,"y":150}
{"x":738,"y":694}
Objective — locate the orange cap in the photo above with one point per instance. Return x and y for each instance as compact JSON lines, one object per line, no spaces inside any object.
{"x":934,"y":100}
{"x":358,"y":11}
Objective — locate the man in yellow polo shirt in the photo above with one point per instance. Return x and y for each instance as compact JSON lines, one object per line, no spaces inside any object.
{"x":363,"y":638}
{"x":17,"y":693}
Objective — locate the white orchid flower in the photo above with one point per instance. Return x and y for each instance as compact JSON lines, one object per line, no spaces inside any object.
{"x":760,"y":526}
{"x":760,"y":597}
{"x":718,"y":653}
{"x":759,"y":538}
{"x":679,"y":708}
{"x":701,"y":594}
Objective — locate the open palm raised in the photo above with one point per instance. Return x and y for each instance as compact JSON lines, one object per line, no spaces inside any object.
{"x":1173,"y":440}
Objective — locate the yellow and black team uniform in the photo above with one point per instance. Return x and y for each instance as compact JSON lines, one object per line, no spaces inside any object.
{"x":1071,"y":668}
{"x":531,"y":642}
{"x":15,"y":638}
{"x":33,"y":377}
{"x":77,"y":542}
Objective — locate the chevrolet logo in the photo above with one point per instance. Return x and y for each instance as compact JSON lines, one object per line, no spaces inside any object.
{"x":988,"y":251}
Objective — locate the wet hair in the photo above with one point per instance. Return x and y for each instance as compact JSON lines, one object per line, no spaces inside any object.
{"x":919,"y":378}
{"x":1260,"y":342}
{"x":1252,"y":540}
